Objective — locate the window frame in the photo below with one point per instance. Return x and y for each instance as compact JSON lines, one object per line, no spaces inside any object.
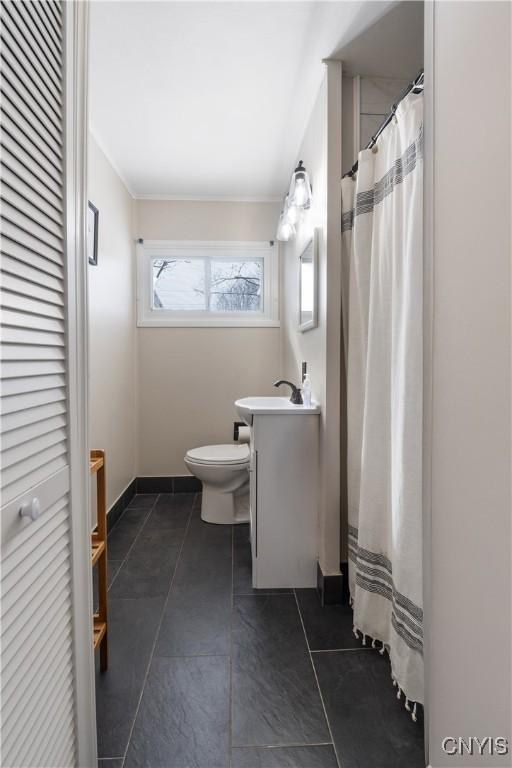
{"x":162,"y":318}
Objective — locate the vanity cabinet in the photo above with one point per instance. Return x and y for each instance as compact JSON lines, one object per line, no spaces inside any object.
{"x":284,"y":495}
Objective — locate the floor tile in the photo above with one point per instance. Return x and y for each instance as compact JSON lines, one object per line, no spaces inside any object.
{"x":112,"y":569}
{"x":183,"y":720}
{"x":321,"y":756}
{"x":370,"y":727}
{"x":242,"y":565}
{"x":171,"y":512}
{"x":132,"y":629}
{"x":149,"y":568}
{"x":328,"y":627}
{"x":197,"y":619}
{"x":275,"y":695}
{"x":124,"y":533}
{"x":143,"y":500}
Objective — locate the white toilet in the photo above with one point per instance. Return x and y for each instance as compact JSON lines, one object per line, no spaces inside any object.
{"x":224,"y":473}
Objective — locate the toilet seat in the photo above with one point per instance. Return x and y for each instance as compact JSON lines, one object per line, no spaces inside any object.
{"x":219,"y":454}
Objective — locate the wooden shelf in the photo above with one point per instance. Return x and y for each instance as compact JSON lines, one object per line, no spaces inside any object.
{"x":97,"y":549}
{"x":99,"y":556}
{"x":99,"y":631}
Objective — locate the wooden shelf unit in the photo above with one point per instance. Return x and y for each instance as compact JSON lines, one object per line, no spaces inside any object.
{"x":99,"y":556}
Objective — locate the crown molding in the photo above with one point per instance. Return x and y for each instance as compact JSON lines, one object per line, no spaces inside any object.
{"x":213,"y":198}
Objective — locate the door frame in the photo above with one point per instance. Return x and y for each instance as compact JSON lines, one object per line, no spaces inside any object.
{"x":428,"y":318}
{"x":76,"y":47}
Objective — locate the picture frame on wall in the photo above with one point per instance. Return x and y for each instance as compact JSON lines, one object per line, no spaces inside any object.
{"x":92,"y":233}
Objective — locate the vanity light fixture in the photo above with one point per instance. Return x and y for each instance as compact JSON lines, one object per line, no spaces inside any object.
{"x":300,"y":188}
{"x":296,"y":202}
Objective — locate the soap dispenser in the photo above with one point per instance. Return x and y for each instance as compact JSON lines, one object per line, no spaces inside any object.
{"x":306,"y":390}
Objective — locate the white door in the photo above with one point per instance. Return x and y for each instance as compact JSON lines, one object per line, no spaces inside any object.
{"x":41,"y":553}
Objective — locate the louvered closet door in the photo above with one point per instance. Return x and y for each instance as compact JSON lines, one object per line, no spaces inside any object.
{"x":38,"y":719}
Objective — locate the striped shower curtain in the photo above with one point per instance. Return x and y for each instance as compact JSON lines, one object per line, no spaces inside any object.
{"x":383,"y":331}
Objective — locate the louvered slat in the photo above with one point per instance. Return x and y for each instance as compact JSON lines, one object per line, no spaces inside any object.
{"x":34,"y":606}
{"x":43,"y":672}
{"x":31,"y":306}
{"x":16,"y":422}
{"x":27,"y":352}
{"x":33,"y":105}
{"x":55,"y":23}
{"x":21,"y":196}
{"x":39,"y":196}
{"x":17,"y":285}
{"x":43,"y":239}
{"x":15,"y":56}
{"x":30,"y":265}
{"x":26,"y":129}
{"x":16,"y":147}
{"x":30,"y":36}
{"x":35,"y":34}
{"x":54,"y":47}
{"x":31,"y":175}
{"x":32,"y":470}
{"x":26,"y":336}
{"x":15,"y":369}
{"x":47,"y":740}
{"x":21,"y":452}
{"x":16,"y":319}
{"x":32,"y":208}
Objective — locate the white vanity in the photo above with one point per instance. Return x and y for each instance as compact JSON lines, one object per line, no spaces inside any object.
{"x":284,"y":491}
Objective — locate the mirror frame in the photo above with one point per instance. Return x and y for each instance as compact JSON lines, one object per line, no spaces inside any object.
{"x":313,"y":323}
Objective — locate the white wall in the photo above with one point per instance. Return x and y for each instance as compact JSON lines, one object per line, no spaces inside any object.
{"x":469,"y":616}
{"x":111,"y":315}
{"x":189,"y":378}
{"x":320,"y":347}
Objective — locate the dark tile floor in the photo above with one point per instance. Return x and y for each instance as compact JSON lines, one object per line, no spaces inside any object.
{"x":206,"y":672}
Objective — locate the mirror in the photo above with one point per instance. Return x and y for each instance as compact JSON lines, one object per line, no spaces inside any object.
{"x":308,"y":311}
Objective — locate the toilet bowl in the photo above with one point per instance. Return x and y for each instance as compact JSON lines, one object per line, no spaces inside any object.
{"x":224,"y":473}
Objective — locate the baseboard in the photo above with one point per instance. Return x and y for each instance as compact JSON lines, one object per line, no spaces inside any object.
{"x":345,"y":592}
{"x":329,"y":587}
{"x":118,"y":507}
{"x":169,"y":484}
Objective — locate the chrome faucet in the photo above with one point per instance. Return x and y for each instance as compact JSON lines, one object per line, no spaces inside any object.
{"x":296,"y":397}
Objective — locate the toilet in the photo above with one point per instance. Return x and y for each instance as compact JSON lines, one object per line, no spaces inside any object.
{"x":224,"y":473}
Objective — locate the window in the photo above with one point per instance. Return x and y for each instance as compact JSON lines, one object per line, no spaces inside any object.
{"x":207,"y":284}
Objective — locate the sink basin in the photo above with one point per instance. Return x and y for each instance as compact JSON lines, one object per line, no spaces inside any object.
{"x":248,"y":407}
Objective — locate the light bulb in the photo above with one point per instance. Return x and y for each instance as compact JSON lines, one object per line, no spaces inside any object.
{"x":285,"y":230}
{"x":300,"y":188}
{"x":300,"y":196}
{"x":292,"y":214}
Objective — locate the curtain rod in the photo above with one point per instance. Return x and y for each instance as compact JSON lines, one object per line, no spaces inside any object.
{"x":415,"y":85}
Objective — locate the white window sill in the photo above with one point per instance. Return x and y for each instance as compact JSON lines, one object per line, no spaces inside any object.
{"x":214,"y":323}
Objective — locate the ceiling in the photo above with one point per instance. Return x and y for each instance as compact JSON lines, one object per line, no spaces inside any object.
{"x":201,"y":100}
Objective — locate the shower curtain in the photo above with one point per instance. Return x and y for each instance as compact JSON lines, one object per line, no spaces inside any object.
{"x":382,"y":271}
